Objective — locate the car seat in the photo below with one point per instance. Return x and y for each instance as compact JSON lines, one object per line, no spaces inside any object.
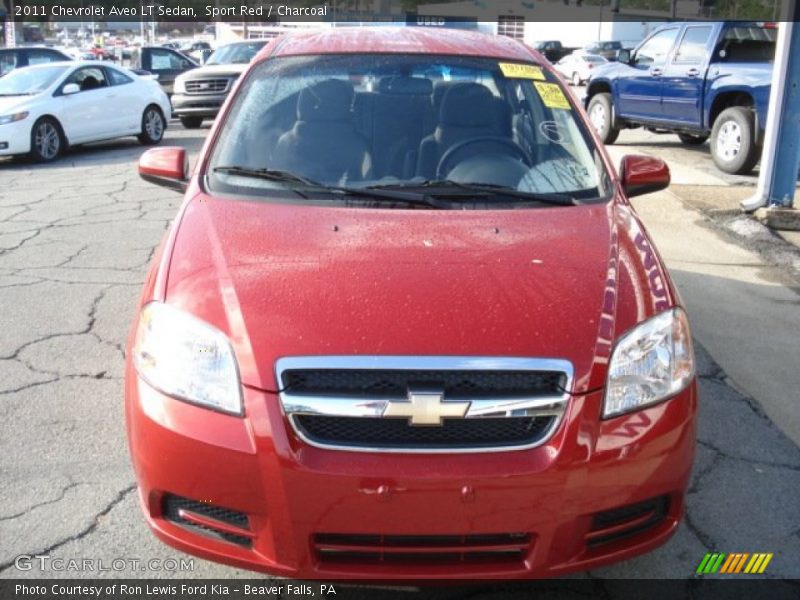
{"x":323,"y":144}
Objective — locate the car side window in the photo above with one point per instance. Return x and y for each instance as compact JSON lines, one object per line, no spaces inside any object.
{"x":692,"y":49}
{"x":38,"y":57}
{"x":118,"y":77}
{"x":88,"y":78}
{"x":654,"y":51}
{"x":8,"y":62}
{"x":165,"y":60}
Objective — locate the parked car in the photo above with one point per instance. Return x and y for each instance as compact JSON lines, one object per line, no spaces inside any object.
{"x":199,"y":93}
{"x":450,"y":320}
{"x":46,"y":108}
{"x":553,"y":50}
{"x":194,"y":50}
{"x":165,"y":64}
{"x":16,"y":58}
{"x":696,"y":80}
{"x":607,"y":50}
{"x":577,"y":67}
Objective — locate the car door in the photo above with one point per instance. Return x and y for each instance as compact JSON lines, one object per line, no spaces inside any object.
{"x":167,"y":65}
{"x":682,"y":88}
{"x":128,"y":103}
{"x":88,"y":114}
{"x":639,"y":86}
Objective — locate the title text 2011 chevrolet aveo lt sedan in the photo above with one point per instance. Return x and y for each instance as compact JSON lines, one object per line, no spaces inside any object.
{"x":406,"y":324}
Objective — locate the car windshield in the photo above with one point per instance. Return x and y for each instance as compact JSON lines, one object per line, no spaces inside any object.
{"x":398,"y":121}
{"x":235,"y":54}
{"x":29,"y":81}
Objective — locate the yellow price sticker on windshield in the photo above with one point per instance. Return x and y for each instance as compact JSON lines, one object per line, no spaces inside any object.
{"x":551,"y":95}
{"x":517,"y":71}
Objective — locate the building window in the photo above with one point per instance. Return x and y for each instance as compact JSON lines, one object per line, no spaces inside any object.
{"x":512,"y":26}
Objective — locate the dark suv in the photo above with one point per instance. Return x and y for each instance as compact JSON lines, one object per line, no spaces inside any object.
{"x":607,"y":50}
{"x":199,"y":93}
{"x":15,"y":58}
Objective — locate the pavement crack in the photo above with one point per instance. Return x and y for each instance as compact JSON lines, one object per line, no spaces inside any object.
{"x":765,"y":463}
{"x":60,"y":497}
{"x":701,"y":535}
{"x":85,"y":531}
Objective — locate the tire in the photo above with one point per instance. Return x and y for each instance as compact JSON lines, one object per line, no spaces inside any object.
{"x":576,"y":79}
{"x":192,"y":122}
{"x":153,"y":126}
{"x":692,"y":140}
{"x":47,"y":140}
{"x":733,"y":145}
{"x":601,"y":115}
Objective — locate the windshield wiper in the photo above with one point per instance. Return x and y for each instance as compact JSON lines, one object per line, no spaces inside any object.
{"x":314,"y":186}
{"x":268,"y":174}
{"x":484,"y":189}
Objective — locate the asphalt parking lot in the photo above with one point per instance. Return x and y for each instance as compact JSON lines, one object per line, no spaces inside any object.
{"x":75,"y":239}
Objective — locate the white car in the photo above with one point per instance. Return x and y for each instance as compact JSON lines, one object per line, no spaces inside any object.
{"x":577,"y":67}
{"x":46,"y":108}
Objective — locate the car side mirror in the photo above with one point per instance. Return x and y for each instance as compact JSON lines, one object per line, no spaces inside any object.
{"x":70,"y":88}
{"x":643,"y":175}
{"x":167,"y":167}
{"x":624,"y":56}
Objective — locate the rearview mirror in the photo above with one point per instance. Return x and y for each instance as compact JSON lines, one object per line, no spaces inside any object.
{"x":624,"y":56}
{"x":167,"y":167}
{"x":70,"y":88}
{"x":643,"y":175}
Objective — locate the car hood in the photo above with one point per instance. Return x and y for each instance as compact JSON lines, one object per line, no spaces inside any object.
{"x":209,"y":70}
{"x":290,"y":280}
{"x":11,"y":104}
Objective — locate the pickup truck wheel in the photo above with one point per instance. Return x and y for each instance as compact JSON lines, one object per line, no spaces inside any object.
{"x":601,"y":116}
{"x":576,"y":79}
{"x":192,"y":122}
{"x":692,"y":140}
{"x":733,"y":145}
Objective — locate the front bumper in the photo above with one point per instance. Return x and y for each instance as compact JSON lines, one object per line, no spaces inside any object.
{"x":194,"y":105}
{"x":292,"y":493}
{"x":15,"y":138}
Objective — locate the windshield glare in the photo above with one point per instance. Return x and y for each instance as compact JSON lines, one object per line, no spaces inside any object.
{"x":395,"y":120}
{"x":235,"y":54}
{"x":29,"y":81}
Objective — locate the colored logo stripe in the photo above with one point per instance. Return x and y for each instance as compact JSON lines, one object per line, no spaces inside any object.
{"x":714,"y":562}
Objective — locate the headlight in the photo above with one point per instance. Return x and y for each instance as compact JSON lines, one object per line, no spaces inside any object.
{"x":185,"y":357}
{"x":650,"y":363}
{"x":179,"y":85}
{"x":4,"y":119}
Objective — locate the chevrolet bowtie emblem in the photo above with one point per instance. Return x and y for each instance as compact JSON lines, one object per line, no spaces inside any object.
{"x":426,"y":407}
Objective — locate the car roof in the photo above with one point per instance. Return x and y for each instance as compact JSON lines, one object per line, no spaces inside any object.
{"x":397,"y":40}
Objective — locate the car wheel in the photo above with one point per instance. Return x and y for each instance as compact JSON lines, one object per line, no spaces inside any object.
{"x":601,"y":116}
{"x":576,"y":79}
{"x":152,"y":126}
{"x":692,"y":140}
{"x":733,"y":144}
{"x":191,"y":122}
{"x":47,"y":140}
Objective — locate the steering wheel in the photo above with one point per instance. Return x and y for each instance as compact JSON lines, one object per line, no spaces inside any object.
{"x":504,"y":144}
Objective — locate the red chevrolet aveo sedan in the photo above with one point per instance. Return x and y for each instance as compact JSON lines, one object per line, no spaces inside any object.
{"x":407,"y":325}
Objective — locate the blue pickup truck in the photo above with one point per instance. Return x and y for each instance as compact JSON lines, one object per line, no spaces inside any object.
{"x":697,"y":80}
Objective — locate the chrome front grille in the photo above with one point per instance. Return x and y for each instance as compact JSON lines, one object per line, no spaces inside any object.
{"x":207,"y":86}
{"x":425,"y":403}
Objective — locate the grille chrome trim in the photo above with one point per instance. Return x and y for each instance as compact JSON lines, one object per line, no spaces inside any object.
{"x":217,"y":85}
{"x":340,"y":406}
